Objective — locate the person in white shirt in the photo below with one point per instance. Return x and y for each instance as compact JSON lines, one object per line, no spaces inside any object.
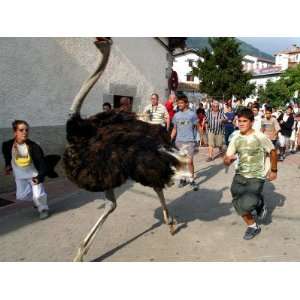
{"x":157,"y":112}
{"x":26,"y":159}
{"x":257,"y":117}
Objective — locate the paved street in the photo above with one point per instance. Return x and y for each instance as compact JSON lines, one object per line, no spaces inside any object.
{"x":208,"y":229}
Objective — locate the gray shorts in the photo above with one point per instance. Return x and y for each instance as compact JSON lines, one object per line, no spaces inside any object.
{"x":188,"y":147}
{"x":246,"y":194}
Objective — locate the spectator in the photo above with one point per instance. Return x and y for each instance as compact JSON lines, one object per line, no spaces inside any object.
{"x":202,"y":125}
{"x":106,"y":107}
{"x":257,"y":117}
{"x":294,"y":137}
{"x":270,"y":125}
{"x":157,"y":113}
{"x":170,"y":106}
{"x":286,"y":122}
{"x":125,"y":104}
{"x":250,"y":105}
{"x":26,"y":159}
{"x":183,"y":132}
{"x":229,"y":125}
{"x":215,"y":126}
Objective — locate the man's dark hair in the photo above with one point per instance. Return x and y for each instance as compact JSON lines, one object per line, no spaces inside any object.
{"x":268,"y":108}
{"x":156,"y":95}
{"x":246,"y":113}
{"x":16,"y":123}
{"x":291,"y":107}
{"x":183,"y":97}
{"x":107,"y":104}
{"x":255,"y":105}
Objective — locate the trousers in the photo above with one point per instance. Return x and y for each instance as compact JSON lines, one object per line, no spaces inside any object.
{"x":27,"y":190}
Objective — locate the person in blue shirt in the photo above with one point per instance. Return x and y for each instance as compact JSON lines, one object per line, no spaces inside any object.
{"x":185,"y":121}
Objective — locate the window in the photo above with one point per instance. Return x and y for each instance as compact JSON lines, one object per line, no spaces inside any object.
{"x":117,"y":99}
{"x":190,"y":63}
{"x":189,"y":77}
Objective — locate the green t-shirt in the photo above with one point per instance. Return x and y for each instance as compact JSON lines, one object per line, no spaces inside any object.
{"x":252,"y":152}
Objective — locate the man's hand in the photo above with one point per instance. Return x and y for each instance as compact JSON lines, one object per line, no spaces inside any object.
{"x":7,"y":171}
{"x":229,"y":159}
{"x":35,"y":180}
{"x":271,"y":176}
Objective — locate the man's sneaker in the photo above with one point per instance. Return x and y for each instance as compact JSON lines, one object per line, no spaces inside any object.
{"x":194,"y":185}
{"x":263,"y":213}
{"x":280,"y":158}
{"x":251,"y":232}
{"x":293,"y":151}
{"x":181,"y":183}
{"x":44,"y":214}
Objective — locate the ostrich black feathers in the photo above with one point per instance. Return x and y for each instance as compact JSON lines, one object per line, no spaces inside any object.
{"x":108,"y":148}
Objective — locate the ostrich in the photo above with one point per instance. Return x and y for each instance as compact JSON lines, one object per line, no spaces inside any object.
{"x":108,"y":148}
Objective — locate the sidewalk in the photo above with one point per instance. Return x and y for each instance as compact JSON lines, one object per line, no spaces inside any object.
{"x":55,"y":190}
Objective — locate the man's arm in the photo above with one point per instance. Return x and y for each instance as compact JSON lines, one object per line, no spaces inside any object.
{"x":230,"y":156}
{"x":167,"y":118}
{"x":173,"y":133}
{"x":39,"y":162}
{"x":273,"y":173}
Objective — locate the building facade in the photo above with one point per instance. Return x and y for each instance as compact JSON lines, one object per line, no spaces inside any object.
{"x":288,"y":58}
{"x":183,"y":64}
{"x":253,"y":63}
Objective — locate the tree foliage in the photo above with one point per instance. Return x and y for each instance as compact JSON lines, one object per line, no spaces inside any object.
{"x":221,"y":70}
{"x":291,"y":78}
{"x":280,"y":92}
{"x":277,"y":93}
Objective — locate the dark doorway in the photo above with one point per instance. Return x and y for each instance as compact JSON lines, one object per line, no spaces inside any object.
{"x":117,"y":100}
{"x":4,"y":202}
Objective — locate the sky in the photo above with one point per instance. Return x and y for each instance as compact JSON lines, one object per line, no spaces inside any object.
{"x":271,"y":45}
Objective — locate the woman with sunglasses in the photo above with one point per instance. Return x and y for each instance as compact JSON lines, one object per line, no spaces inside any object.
{"x":26,"y":159}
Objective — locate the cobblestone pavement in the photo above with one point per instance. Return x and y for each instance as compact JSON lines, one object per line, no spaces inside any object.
{"x":208,"y":227}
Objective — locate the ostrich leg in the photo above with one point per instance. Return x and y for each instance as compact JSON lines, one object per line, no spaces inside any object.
{"x":167,"y":219}
{"x":110,"y":205}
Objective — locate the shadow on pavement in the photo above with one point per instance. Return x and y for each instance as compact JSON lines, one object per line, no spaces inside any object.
{"x":29,"y":215}
{"x":208,"y":172}
{"x":114,"y":250}
{"x":272,"y":200}
{"x":201,"y":205}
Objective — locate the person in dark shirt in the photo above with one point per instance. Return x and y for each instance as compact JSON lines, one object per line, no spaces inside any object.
{"x":286,"y":122}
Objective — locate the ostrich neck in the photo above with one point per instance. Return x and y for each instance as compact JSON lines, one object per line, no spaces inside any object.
{"x":90,"y":82}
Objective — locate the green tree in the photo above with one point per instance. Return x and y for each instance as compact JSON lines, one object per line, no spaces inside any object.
{"x":221,"y":70}
{"x":277,"y":92}
{"x":291,"y":78}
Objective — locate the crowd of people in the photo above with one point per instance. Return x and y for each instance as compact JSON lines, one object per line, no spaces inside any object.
{"x":255,"y":136}
{"x":217,"y":121}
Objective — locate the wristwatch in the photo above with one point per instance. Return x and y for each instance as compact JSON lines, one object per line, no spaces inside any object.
{"x":274,"y":170}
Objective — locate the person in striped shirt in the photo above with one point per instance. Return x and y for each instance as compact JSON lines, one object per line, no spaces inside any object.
{"x":157,"y":112}
{"x":215,"y":119}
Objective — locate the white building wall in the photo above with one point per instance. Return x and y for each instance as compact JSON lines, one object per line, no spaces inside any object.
{"x":181,"y":66}
{"x":39,"y":77}
{"x":282,"y":60}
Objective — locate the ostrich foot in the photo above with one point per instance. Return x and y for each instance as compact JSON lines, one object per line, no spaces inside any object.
{"x":172,"y":225}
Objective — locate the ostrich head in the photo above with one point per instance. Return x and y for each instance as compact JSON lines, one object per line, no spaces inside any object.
{"x":103,"y":45}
